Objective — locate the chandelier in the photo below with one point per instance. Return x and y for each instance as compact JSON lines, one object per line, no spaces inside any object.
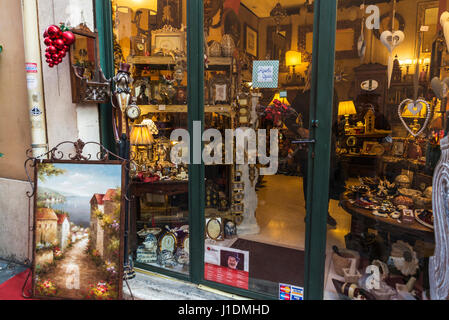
{"x":278,"y":13}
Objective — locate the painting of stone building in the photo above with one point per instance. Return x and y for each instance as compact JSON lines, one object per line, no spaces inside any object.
{"x":46,"y":226}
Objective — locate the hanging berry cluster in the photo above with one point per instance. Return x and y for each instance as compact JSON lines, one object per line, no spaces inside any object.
{"x":58,"y":41}
{"x":275,"y":112}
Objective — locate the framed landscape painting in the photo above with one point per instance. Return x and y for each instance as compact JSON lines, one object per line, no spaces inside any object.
{"x":78,"y":230}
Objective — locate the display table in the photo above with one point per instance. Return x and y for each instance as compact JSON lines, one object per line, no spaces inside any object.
{"x":362,"y":219}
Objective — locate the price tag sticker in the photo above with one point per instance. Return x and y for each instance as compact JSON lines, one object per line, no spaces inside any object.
{"x":162,"y":107}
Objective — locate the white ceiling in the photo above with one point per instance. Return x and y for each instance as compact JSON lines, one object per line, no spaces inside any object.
{"x":262,"y":8}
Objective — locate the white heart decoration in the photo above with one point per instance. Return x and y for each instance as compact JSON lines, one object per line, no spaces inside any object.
{"x":414,"y":107}
{"x":444,"y":21}
{"x":440,"y":87}
{"x":409,"y":102}
{"x":392,"y":39}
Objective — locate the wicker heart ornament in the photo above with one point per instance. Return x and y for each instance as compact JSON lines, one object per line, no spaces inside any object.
{"x":415,"y":107}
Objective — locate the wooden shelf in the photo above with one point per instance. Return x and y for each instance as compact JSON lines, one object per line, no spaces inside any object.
{"x":223,"y":109}
{"x":164,"y":61}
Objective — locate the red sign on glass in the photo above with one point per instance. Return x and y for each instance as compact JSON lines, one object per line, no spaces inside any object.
{"x":228,"y":276}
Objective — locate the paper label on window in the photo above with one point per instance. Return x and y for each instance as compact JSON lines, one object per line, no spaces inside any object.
{"x":265,"y":74}
{"x":31,"y":81}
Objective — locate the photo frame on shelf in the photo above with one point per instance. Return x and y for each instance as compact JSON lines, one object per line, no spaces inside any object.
{"x":398,"y":148}
{"x":214,"y":228}
{"x":85,"y":226}
{"x":251,"y":41}
{"x":220,"y":90}
{"x":168,"y":40}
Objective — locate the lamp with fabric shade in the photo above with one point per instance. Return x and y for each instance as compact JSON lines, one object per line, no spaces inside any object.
{"x":277,"y":96}
{"x":140,"y":135}
{"x":346,"y":108}
{"x":292,"y":58}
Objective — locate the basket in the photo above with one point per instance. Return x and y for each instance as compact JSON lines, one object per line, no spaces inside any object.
{"x":344,"y":261}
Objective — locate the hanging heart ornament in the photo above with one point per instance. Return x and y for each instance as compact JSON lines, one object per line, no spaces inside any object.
{"x":392,"y":39}
{"x":440,"y":87}
{"x":414,"y":107}
{"x":444,"y":21}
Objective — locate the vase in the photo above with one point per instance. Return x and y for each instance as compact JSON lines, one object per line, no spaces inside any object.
{"x":227,"y":45}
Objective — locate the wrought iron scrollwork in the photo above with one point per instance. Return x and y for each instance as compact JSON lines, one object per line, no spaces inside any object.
{"x":57,"y":154}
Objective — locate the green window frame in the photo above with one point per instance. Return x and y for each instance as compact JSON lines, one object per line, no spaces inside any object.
{"x":319,"y":153}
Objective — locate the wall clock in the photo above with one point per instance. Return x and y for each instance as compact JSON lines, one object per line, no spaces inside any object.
{"x":133,"y":111}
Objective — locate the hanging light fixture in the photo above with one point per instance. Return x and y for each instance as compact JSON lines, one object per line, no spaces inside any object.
{"x":278,"y":13}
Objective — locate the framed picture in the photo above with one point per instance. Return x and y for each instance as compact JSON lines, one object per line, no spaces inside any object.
{"x":251,"y":41}
{"x":220,"y":90}
{"x":398,"y":148}
{"x":372,"y":148}
{"x":279,"y":43}
{"x":78,"y":223}
{"x":346,"y":39}
{"x":214,"y":228}
{"x":168,"y":39}
{"x":169,"y":12}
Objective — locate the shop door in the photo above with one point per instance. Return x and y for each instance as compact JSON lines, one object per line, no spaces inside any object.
{"x":263,"y":232}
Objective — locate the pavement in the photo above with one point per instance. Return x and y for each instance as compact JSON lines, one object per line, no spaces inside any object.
{"x":9,"y":269}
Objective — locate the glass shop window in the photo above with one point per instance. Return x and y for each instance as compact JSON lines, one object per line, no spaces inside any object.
{"x":150,"y":43}
{"x":385,"y":147}
{"x":255,"y":77}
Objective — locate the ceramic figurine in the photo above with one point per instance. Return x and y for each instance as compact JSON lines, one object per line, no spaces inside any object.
{"x":123,"y":82}
{"x":352,"y":290}
{"x":403,"y":258}
{"x":230,"y":229}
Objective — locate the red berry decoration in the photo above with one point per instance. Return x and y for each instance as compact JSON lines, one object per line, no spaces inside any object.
{"x":52,"y":49}
{"x":53,"y":31}
{"x":48,"y":41}
{"x":58,"y":41}
{"x":68,"y":37}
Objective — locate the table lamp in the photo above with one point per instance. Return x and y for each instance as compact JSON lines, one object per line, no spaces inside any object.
{"x":346,"y":108}
{"x":292,"y":59}
{"x":142,"y":139}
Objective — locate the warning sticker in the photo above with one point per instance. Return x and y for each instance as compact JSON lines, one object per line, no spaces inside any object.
{"x":31,"y":67}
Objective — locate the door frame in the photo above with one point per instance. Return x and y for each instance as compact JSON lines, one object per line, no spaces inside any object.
{"x":319,"y":153}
